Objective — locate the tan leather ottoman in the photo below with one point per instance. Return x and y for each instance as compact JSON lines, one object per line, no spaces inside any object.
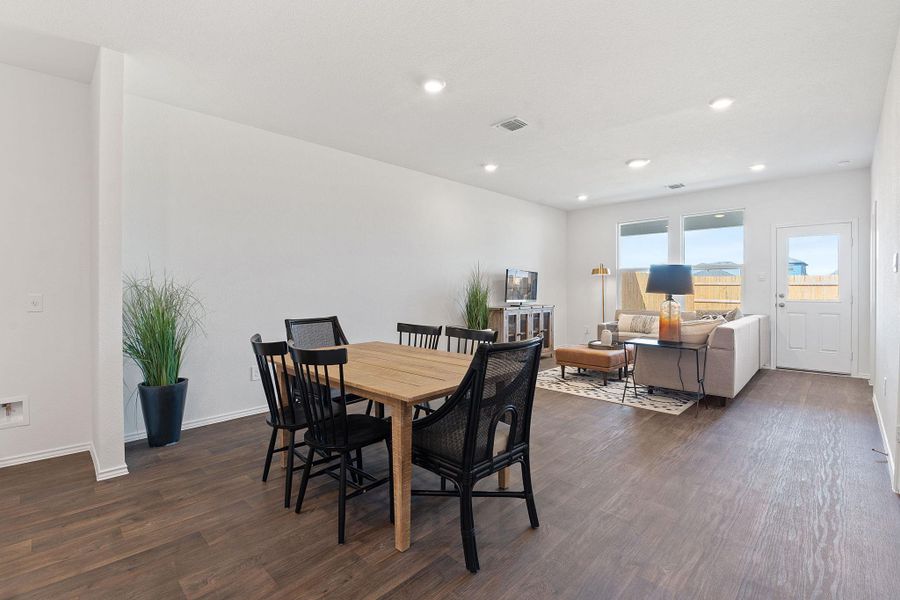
{"x":605,"y":361}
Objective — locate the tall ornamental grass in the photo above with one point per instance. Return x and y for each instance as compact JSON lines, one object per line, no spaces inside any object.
{"x":159,"y":316}
{"x":475,"y":300}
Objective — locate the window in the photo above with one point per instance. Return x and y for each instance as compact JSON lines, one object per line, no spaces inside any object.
{"x":813,"y":268}
{"x":640,"y":245}
{"x":714,"y":246}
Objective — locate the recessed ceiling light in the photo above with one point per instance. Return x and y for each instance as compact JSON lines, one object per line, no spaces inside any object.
{"x":582,"y":197}
{"x":434,"y":86}
{"x":719,"y":215}
{"x":490,"y":167}
{"x":638,"y":163}
{"x":723,"y":103}
{"x":844,"y":163}
{"x":758,"y":167}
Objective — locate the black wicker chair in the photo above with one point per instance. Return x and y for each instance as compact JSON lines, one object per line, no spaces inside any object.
{"x":482,"y":428}
{"x":420,"y":336}
{"x":285,"y":414}
{"x":332,"y":431}
{"x":466,"y":342}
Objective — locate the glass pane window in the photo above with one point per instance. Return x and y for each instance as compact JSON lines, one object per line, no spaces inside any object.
{"x":813,"y":268}
{"x":641,"y":244}
{"x":714,"y":247}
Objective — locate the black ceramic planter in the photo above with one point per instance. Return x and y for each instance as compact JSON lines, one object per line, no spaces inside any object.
{"x":163,"y":408}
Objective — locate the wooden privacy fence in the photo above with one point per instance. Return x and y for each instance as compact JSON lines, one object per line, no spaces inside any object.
{"x":720,"y":292}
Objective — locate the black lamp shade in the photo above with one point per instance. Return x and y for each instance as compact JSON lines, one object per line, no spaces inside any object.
{"x":670,"y":279}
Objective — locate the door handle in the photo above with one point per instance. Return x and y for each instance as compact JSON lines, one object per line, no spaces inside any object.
{"x":781,"y":305}
{"x":781,"y":295}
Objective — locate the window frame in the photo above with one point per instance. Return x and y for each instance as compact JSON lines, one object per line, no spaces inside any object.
{"x":619,"y":224}
{"x":705,"y":213}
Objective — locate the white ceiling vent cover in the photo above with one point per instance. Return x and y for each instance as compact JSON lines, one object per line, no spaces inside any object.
{"x":511,"y":124}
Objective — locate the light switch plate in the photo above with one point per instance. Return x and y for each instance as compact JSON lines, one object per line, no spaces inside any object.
{"x":762,"y":276}
{"x":35,"y":303}
{"x":254,"y":373}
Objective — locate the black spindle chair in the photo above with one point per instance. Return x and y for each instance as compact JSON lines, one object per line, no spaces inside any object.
{"x":461,"y":341}
{"x":420,"y":336}
{"x":468,"y":340}
{"x":321,"y":332}
{"x":285,"y":414}
{"x":334,"y":432}
{"x":484,"y":427}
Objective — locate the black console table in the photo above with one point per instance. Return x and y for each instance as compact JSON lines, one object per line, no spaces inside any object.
{"x":697,"y":349}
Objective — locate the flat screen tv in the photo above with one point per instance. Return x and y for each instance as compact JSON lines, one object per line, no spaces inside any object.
{"x":521,"y":286}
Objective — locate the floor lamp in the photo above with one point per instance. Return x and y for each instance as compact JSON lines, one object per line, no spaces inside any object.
{"x":602,"y":272}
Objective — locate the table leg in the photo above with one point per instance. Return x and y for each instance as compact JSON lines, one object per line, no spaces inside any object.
{"x":503,"y":479}
{"x":401,"y":449}
{"x":283,"y":394}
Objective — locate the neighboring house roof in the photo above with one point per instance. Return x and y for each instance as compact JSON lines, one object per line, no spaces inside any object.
{"x":797,"y":261}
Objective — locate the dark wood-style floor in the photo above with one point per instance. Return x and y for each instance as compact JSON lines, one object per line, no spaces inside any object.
{"x":779,"y":495}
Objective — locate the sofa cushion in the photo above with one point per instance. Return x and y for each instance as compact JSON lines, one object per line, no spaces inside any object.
{"x":697,"y":332}
{"x":734,"y":314}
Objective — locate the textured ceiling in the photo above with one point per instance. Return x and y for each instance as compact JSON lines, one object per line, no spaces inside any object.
{"x":599,"y":81}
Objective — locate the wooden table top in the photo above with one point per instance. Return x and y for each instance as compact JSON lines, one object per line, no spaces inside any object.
{"x":402,"y":373}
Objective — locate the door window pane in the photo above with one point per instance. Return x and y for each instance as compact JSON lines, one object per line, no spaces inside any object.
{"x":640,"y":245}
{"x":813,"y":268}
{"x":714,"y":247}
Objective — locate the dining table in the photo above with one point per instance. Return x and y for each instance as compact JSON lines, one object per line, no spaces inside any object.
{"x":400,"y":377}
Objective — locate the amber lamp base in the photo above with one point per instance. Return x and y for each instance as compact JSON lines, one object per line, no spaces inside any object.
{"x":670,"y":320}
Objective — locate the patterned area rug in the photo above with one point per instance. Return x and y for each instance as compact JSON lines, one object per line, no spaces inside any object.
{"x":590,"y":385}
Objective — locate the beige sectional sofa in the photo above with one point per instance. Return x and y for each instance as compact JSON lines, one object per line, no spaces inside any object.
{"x":737,"y":350}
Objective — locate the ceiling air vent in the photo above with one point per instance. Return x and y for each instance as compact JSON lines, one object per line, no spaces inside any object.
{"x":675,"y":186}
{"x":511,"y":124}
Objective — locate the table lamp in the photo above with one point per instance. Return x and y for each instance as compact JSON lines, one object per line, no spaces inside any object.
{"x":670,"y":280}
{"x":602,"y":272}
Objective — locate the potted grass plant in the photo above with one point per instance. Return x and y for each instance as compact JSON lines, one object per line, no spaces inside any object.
{"x":476,"y":295}
{"x":159,"y":317}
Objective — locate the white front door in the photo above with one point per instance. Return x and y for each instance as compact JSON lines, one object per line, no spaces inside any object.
{"x":814,"y":298}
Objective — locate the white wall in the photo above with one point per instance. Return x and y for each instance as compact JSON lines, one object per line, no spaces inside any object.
{"x":45,"y":242}
{"x":886,"y":211}
{"x":271,"y":227}
{"x":841,"y":195}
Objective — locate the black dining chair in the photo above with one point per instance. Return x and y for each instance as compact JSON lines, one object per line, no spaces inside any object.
{"x":484,"y":427}
{"x":322,"y":332}
{"x":461,"y":341}
{"x":468,"y":340}
{"x":285,"y":413}
{"x":420,"y":336}
{"x":332,"y":431}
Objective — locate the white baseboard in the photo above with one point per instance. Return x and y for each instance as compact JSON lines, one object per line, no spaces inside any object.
{"x":108,"y":473}
{"x":28,"y":457}
{"x":194,"y":423}
{"x":888,"y":447}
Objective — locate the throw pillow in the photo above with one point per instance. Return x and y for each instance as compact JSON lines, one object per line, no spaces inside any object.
{"x":697,"y":332}
{"x":734,"y":315}
{"x":639,"y":324}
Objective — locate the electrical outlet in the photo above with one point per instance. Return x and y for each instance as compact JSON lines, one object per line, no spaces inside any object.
{"x":35,"y":303}
{"x":254,"y":373}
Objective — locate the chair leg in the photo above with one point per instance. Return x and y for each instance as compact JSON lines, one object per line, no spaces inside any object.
{"x":529,"y":493}
{"x":342,"y":498}
{"x":416,"y":412}
{"x":304,"y":480}
{"x":269,"y":453}
{"x":443,"y":484}
{"x":369,"y":408}
{"x":467,"y":527}
{"x":359,"y":465}
{"x":289,"y":473}
{"x":390,"y":479}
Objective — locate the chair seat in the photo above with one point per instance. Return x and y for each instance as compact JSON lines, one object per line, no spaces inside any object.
{"x":299,"y":421}
{"x":363,"y":429}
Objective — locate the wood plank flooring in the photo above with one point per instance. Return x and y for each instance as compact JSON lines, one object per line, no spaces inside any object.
{"x":779,"y":495}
